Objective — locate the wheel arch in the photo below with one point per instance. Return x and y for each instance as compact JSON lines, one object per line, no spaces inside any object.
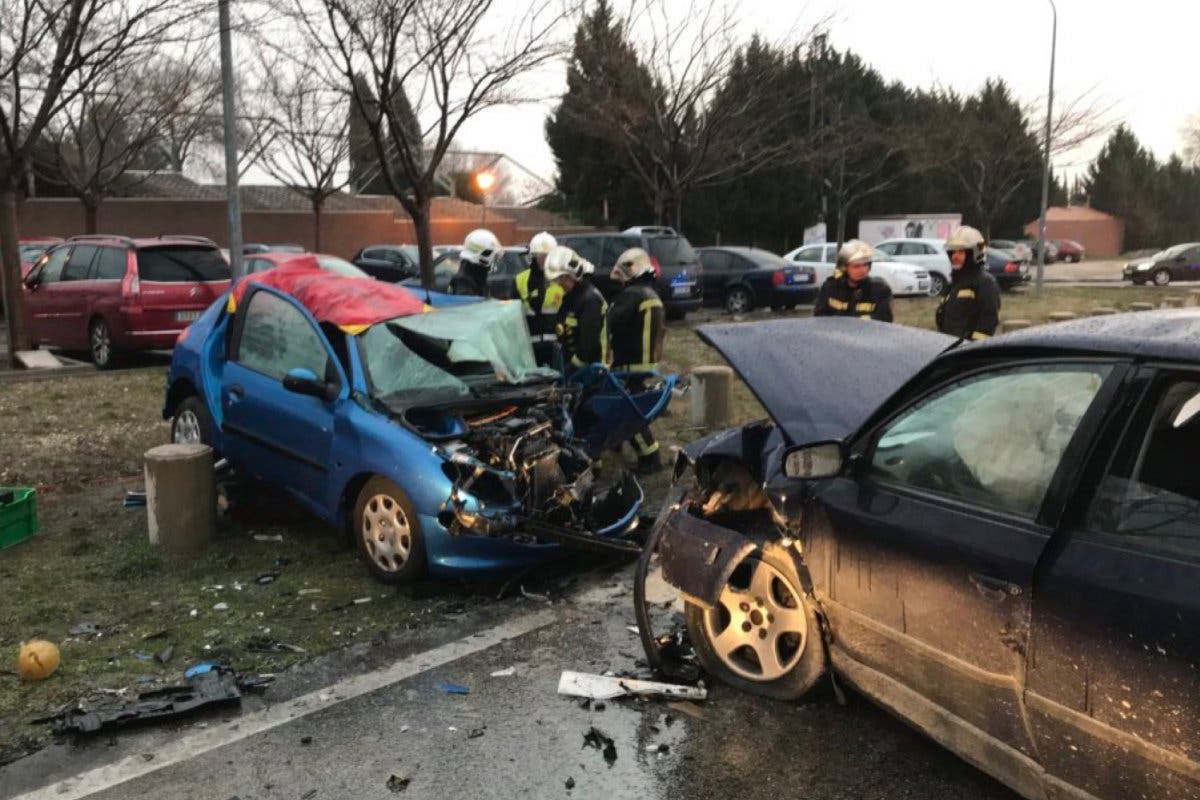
{"x":180,"y":390}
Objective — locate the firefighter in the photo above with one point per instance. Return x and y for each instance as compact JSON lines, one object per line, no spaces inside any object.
{"x":851,"y":291}
{"x":971,"y":309}
{"x":582,"y":323}
{"x":479,"y":252}
{"x":540,"y":299}
{"x":637,"y":323}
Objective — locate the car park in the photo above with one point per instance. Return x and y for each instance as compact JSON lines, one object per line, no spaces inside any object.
{"x":389,"y":262}
{"x":929,"y":254}
{"x":678,"y":271}
{"x":743,"y":278}
{"x":996,"y":541}
{"x":1008,"y":270}
{"x":1035,"y":246}
{"x":1180,"y":262}
{"x":111,"y":295}
{"x":901,"y":278}
{"x":430,"y":435}
{"x":338,"y":266}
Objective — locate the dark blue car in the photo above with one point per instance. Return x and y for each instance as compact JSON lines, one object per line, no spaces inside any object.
{"x":432,"y":435}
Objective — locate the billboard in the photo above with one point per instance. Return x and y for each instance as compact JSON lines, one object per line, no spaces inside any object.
{"x":874,"y":230}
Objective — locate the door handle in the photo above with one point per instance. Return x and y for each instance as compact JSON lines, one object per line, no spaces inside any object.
{"x":237,"y":392}
{"x":993,"y":588}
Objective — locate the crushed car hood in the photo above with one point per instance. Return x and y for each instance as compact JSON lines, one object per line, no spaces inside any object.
{"x":820,"y":379}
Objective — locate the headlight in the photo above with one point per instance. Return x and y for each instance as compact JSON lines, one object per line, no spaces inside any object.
{"x":1144,"y":266}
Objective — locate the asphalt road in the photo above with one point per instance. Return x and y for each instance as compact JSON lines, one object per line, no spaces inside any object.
{"x":373,"y":722}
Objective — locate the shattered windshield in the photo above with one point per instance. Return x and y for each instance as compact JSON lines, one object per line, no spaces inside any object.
{"x":453,"y":352}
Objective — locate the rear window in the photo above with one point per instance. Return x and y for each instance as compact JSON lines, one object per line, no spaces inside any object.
{"x":672,"y":250}
{"x":182,"y":264}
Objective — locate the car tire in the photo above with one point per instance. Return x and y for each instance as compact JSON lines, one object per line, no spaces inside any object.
{"x":800,"y":659}
{"x":100,"y":345}
{"x":937,"y":285}
{"x":1162,"y":277}
{"x":738,"y":300}
{"x":388,"y":533}
{"x":192,"y":423}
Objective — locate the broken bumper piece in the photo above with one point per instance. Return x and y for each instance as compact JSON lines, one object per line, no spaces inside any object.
{"x":698,"y":557}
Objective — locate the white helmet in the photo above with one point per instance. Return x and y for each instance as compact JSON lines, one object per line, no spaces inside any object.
{"x":563,"y":261}
{"x":855,"y":251}
{"x":633,"y":263}
{"x":967,"y":238}
{"x":541,"y":244}
{"x":480,"y":247}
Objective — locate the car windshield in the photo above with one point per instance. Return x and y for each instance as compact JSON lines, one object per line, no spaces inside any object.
{"x":341,"y":267}
{"x":672,"y":250}
{"x":1172,"y":251}
{"x":456,"y":351}
{"x":32,"y":252}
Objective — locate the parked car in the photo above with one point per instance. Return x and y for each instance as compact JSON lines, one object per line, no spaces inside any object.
{"x":903,"y":279}
{"x":430,"y":435}
{"x":1020,"y":250}
{"x":252,"y":249}
{"x":1180,"y":262}
{"x":743,"y":278}
{"x":389,"y":262}
{"x":339,"y":266}
{"x":512,"y":260}
{"x":1068,"y":250}
{"x":998,"y":543}
{"x":929,"y":254}
{"x":1034,"y":246}
{"x":112,"y":295}
{"x":29,"y":250}
{"x":1008,"y":270}
{"x":650,"y":230}
{"x":679,"y":272}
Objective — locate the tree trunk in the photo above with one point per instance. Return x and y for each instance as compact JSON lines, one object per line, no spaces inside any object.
{"x":91,"y":210}
{"x":420,"y":219}
{"x":317,"y":204}
{"x":658,"y":208}
{"x":10,"y":271}
{"x":677,"y":210}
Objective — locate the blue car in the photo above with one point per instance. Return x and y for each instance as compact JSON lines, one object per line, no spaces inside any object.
{"x":421,"y":424}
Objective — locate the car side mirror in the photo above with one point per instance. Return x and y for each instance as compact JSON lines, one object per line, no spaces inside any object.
{"x":814,"y":461}
{"x":303,"y":381}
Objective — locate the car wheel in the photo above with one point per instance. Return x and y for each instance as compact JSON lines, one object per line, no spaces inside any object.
{"x":937,"y":285}
{"x":192,"y":424}
{"x":762,"y":636}
{"x":388,"y":533}
{"x":104,"y":355}
{"x":1162,"y":277}
{"x":738,"y":300}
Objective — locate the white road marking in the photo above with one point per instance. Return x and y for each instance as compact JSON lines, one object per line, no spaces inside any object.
{"x":203,"y":741}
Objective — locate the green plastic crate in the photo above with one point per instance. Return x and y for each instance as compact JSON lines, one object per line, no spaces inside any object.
{"x":18,"y":519}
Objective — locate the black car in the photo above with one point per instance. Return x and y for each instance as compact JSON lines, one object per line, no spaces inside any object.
{"x":679,"y":271}
{"x":388,"y":262}
{"x":743,"y":278}
{"x":999,"y":542}
{"x":1178,"y":263}
{"x":500,"y":280}
{"x":1006,"y":268}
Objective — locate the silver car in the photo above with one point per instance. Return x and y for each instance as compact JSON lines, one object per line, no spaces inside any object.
{"x":930,"y":254}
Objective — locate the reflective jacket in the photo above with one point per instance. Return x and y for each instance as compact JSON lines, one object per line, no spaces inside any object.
{"x":971,"y":309}
{"x":541,"y":302}
{"x":637,"y":323}
{"x":582,"y":326}
{"x":871,"y":299}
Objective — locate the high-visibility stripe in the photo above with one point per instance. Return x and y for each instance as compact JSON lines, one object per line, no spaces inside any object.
{"x":646,"y":367}
{"x":980,"y":335}
{"x":965,"y":294}
{"x":867,"y":307}
{"x":840,"y":305}
{"x":653,"y":303}
{"x":646,"y":317}
{"x":542,"y":337}
{"x":643,"y":448}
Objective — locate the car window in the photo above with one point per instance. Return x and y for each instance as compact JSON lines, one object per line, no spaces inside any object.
{"x":79,"y":263}
{"x":715,"y":260}
{"x":590,"y":248}
{"x":671,"y":250}
{"x":809,"y":254}
{"x":258,"y":265}
{"x":888,"y":248}
{"x":614,"y":246}
{"x":111,"y":264}
{"x":52,"y":269}
{"x":1151,"y":496}
{"x":182,"y":264}
{"x":276,"y":337}
{"x":993,"y":440}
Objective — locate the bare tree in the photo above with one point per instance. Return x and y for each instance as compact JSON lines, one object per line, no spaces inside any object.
{"x":51,"y":53}
{"x":194,"y":126}
{"x":1191,"y":140}
{"x":453,"y":59}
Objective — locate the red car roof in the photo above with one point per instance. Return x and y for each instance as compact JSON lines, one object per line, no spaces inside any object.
{"x":352,"y":304}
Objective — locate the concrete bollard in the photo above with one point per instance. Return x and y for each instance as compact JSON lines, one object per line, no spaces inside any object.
{"x":1141,"y":306}
{"x":1102,"y":311}
{"x":1010,"y":325}
{"x":1173,"y":302}
{"x":710,"y":392}
{"x":181,"y":497}
{"x":1061,"y":316}
{"x":1194,"y":297}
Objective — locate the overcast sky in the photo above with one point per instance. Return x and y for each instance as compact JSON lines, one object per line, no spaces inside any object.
{"x":1140,"y":57}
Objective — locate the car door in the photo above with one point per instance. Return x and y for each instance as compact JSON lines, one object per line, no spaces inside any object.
{"x":73,"y":290}
{"x":715,"y":274}
{"x":45,"y":300}
{"x":1189,"y":267}
{"x":1113,"y":691}
{"x":923,"y":554}
{"x":279,"y":436}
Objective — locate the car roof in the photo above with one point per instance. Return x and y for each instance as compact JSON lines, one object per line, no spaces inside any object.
{"x":922,"y":239}
{"x":1167,"y":334}
{"x":141,"y":241}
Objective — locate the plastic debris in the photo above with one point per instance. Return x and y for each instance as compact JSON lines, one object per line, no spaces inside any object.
{"x":221,"y":607}
{"x":37,"y":659}
{"x":268,"y":537}
{"x":597,"y":739}
{"x":134,"y":499}
{"x":453,"y":688}
{"x":475,"y":733}
{"x":86,"y":629}
{"x":266,"y":577}
{"x":397,"y":783}
{"x":263,"y":644}
{"x":507,"y":672}
{"x":143,"y":656}
{"x":199,"y":669}
{"x":164,"y":655}
{"x":605,"y":687}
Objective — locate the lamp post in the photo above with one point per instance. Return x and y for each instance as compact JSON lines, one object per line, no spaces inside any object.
{"x":484,"y":181}
{"x":232,"y":197}
{"x":1041,"y":265}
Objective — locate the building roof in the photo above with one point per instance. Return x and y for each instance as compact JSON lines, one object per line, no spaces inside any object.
{"x":1076,"y":214}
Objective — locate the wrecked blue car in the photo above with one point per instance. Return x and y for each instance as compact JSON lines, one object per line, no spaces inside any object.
{"x":424,"y":429}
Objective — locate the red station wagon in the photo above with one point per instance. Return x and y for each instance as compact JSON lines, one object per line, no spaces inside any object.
{"x":112,"y":294}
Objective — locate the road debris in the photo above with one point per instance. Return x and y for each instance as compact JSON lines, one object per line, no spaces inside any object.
{"x":86,"y":629}
{"x":306,"y":740}
{"x":263,"y":644}
{"x":164,"y":655}
{"x":221,"y":607}
{"x":268,"y":537}
{"x":134,"y":499}
{"x":601,"y":741}
{"x":397,"y":784}
{"x":37,"y":659}
{"x":570,"y":784}
{"x":691,"y":709}
{"x":541,"y":598}
{"x":605,"y":687}
{"x":475,"y":733}
{"x":507,"y":672}
{"x":266,"y":577}
{"x":453,"y":688}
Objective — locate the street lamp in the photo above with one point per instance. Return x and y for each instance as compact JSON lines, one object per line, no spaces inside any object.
{"x":484,"y":181}
{"x":233,"y":200}
{"x":1041,"y":265}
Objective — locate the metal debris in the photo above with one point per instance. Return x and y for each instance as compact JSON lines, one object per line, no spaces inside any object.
{"x":604,"y":687}
{"x":599,"y":740}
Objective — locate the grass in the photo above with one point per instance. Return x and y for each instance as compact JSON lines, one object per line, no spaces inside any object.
{"x":80,"y":441}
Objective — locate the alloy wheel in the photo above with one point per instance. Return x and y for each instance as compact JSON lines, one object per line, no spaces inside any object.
{"x":187,"y":428}
{"x":758,"y":631}
{"x":737,"y":301}
{"x":101,"y":343}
